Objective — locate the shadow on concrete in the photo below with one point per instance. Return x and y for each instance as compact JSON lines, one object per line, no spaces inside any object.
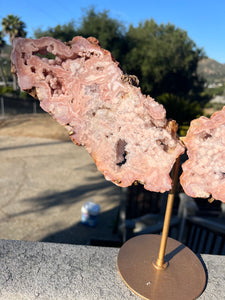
{"x":106,"y":231}
{"x":51,"y":199}
{"x":33,"y":145}
{"x":104,"y":234}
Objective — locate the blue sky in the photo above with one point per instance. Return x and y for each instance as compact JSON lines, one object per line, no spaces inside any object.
{"x":203,"y":20}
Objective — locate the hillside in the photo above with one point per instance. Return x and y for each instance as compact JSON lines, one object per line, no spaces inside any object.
{"x":212,"y":71}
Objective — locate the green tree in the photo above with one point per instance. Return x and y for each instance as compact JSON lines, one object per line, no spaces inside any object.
{"x":14,"y":27}
{"x":164,"y":58}
{"x":110,"y":32}
{"x":64,"y":32}
{"x":180,"y":108}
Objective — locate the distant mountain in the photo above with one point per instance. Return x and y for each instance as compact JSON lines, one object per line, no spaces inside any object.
{"x":212,"y":71}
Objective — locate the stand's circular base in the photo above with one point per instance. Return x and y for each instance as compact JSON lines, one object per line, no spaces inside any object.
{"x":184,"y":277}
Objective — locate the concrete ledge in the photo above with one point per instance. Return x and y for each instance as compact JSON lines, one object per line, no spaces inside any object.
{"x":35,"y":270}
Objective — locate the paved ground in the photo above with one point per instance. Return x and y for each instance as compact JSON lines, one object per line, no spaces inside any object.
{"x":33,"y":125}
{"x":43,"y":185}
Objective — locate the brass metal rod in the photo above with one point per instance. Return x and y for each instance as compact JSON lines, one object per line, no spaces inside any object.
{"x":159,"y":263}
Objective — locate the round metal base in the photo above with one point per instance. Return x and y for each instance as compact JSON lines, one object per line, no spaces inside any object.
{"x":183,"y":278}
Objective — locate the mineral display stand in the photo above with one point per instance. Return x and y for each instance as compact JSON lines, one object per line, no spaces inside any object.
{"x":159,"y":267}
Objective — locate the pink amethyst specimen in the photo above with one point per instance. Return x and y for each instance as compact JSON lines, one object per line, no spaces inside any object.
{"x":204,"y":172}
{"x":83,"y":88}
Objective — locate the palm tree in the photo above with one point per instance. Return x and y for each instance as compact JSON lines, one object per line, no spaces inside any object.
{"x":14,"y":27}
{"x":2,"y":44}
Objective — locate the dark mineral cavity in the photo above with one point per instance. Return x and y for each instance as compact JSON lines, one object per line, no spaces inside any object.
{"x":121,"y":153}
{"x":162,"y":144}
{"x":44,"y":53}
{"x":55,"y":85}
{"x":205,"y":135}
